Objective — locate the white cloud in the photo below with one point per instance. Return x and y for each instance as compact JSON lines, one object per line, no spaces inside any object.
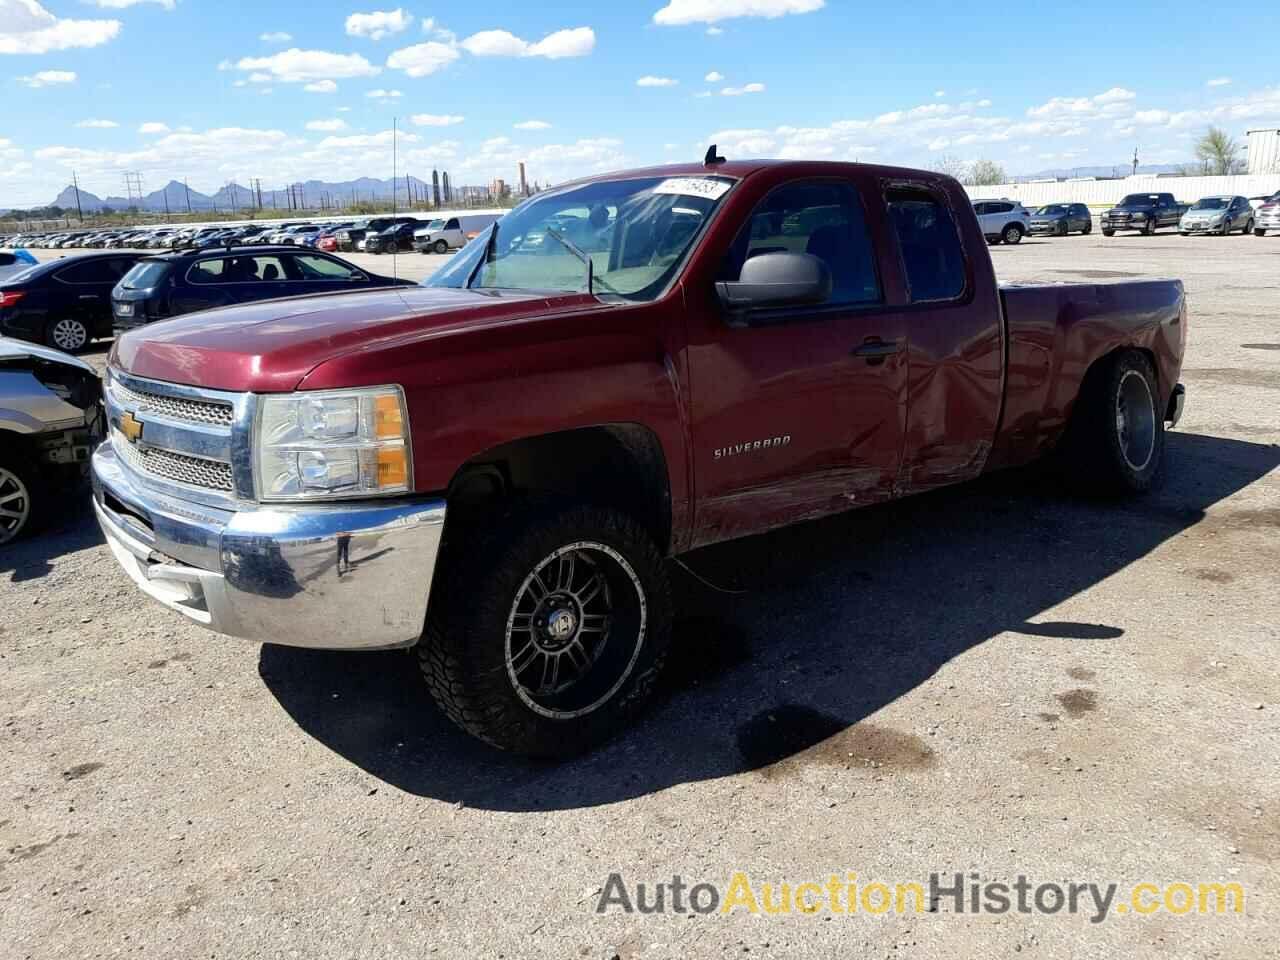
{"x":715,"y":76}
{"x":435,"y":120}
{"x":380,"y":94}
{"x":321,"y":86}
{"x":153,"y":127}
{"x":679,"y":12}
{"x":326,"y":126}
{"x":1115,"y":95}
{"x":97,"y":124}
{"x":383,"y":139}
{"x":275,"y":36}
{"x":48,"y":78}
{"x":652,"y":81}
{"x":1110,"y":103}
{"x":533,"y":125}
{"x":304,"y":66}
{"x":575,"y":42}
{"x":983,"y":103}
{"x":423,"y":59}
{"x":1218,"y":82}
{"x":125,"y":4}
{"x":378,"y":24}
{"x":939,"y":93}
{"x":746,"y":88}
{"x":27,"y":27}
{"x":714,"y":32}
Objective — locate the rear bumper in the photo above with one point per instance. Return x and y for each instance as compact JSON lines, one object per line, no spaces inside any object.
{"x":355,"y":576}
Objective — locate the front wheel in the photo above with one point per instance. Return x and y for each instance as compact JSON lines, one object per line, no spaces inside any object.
{"x":1115,"y":441}
{"x":68,"y":334}
{"x":545,"y":638}
{"x":1012,"y":233}
{"x":1259,"y":232}
{"x":393,"y":248}
{"x":442,"y":246}
{"x":1108,"y":233}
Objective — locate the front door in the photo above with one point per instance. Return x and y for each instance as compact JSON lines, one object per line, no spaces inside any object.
{"x":799,"y":412}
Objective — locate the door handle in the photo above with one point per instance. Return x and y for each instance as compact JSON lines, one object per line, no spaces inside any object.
{"x":875,"y":350}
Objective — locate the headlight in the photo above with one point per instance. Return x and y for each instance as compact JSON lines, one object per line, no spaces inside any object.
{"x":333,"y":444}
{"x":1139,"y":215}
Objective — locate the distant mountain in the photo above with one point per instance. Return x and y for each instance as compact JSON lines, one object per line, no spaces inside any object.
{"x":175,"y":197}
{"x":1115,"y":170}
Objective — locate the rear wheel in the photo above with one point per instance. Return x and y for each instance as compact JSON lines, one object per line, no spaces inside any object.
{"x":1012,"y":233}
{"x":546,"y":637}
{"x":17,"y":508}
{"x":393,"y":247}
{"x":1088,"y":228}
{"x":442,"y":246}
{"x":1248,"y":228}
{"x":1115,"y":442}
{"x":68,"y":334}
{"x":1062,"y":228}
{"x":1150,"y":228}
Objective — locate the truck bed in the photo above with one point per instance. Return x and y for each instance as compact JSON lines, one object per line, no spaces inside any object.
{"x":1055,"y":331}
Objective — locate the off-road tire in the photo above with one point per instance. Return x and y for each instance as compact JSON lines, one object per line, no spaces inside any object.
{"x":1095,"y":452}
{"x":463,"y":651}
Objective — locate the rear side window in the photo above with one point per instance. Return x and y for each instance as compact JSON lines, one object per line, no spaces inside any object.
{"x":92,"y":271}
{"x":999,"y":207}
{"x":821,"y":218}
{"x":237,"y":270}
{"x":932,"y":257}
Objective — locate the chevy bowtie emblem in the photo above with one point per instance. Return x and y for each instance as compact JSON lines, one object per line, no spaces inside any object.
{"x":131,"y":428}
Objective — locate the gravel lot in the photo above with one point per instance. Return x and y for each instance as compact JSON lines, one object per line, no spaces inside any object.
{"x":999,"y":679}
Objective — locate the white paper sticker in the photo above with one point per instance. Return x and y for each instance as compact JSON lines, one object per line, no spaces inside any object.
{"x":694,"y":187}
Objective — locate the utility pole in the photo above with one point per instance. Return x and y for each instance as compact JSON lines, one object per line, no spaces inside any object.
{"x":76,"y":183}
{"x":187,"y":188}
{"x":1135,"y":161}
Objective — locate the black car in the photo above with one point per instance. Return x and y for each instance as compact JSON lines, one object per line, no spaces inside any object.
{"x":184,"y":281}
{"x":349,"y":239}
{"x":394,"y":239}
{"x":63,"y":303}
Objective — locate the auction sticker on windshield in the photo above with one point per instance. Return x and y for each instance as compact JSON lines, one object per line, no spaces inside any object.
{"x":694,"y":187}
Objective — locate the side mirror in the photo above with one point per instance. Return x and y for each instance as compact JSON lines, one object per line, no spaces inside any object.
{"x":777,"y":280}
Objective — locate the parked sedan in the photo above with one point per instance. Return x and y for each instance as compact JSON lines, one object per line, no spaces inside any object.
{"x":1218,"y":215}
{"x":63,"y":303}
{"x":1059,"y":219}
{"x":173,"y":284}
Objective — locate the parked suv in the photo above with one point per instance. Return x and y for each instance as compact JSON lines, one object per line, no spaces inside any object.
{"x":394,"y":239}
{"x":173,"y":284}
{"x":444,"y":234}
{"x":1217,"y":215}
{"x":1059,"y":219}
{"x":63,"y":303}
{"x":1003,"y":221}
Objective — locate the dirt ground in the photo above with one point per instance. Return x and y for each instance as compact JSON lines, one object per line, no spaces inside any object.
{"x":999,"y":679}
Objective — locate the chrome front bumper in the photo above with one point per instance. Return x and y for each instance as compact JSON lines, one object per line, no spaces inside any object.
{"x":347,"y":576}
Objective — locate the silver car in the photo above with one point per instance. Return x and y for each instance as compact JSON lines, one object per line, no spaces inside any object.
{"x":1218,"y":215}
{"x":50,"y":420}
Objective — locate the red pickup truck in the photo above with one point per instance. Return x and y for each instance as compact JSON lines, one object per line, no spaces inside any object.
{"x":493,"y":467}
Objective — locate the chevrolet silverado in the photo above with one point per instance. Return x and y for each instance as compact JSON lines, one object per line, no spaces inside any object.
{"x":493,"y":467}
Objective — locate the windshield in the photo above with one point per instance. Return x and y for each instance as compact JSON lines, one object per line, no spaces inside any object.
{"x":634,"y":234}
{"x":1211,"y":203}
{"x":435,"y":225}
{"x":144,"y":275}
{"x":1052,"y":210}
{"x":1138,"y":200}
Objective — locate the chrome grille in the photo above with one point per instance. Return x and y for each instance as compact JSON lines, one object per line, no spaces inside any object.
{"x":175,"y":408}
{"x":177,"y":467}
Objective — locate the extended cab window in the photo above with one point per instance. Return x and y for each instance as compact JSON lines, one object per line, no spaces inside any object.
{"x":930,"y":244}
{"x":821,"y":218}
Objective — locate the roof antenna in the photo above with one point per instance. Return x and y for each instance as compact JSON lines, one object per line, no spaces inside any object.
{"x":712,"y":158}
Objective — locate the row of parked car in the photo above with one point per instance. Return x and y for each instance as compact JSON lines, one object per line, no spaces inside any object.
{"x":1008,"y":221}
{"x":371,"y":235}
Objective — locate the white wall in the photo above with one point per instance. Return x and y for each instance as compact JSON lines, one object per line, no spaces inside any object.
{"x":1185,"y":189}
{"x":1264,"y":151}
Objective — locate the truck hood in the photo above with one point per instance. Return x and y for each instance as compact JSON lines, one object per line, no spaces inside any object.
{"x":269,"y":347}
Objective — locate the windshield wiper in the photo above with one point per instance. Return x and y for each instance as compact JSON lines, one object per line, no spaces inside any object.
{"x":584,"y":257}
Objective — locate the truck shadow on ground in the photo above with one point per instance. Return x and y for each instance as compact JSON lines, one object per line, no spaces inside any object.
{"x":836,"y":619}
{"x":70,"y":529}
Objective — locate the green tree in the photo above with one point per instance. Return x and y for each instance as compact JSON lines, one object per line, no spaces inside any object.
{"x":985,"y":173}
{"x":1219,"y":152}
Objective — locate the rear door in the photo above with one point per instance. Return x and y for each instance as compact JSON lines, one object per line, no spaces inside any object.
{"x":314,"y":273}
{"x":955,"y":337}
{"x":798,"y":412}
{"x":84,"y":290}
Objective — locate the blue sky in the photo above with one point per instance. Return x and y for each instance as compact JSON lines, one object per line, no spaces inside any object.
{"x":216,"y":90}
